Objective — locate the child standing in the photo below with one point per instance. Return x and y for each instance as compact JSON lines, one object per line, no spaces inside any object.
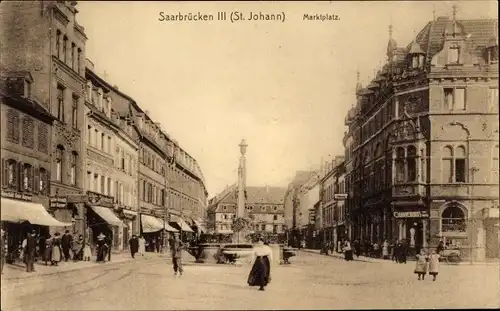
{"x":86,"y":251}
{"x":434,"y":264}
{"x":421,"y":268}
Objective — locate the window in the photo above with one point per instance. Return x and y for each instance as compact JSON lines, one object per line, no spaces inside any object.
{"x":73,"y":161}
{"x":400,"y":164}
{"x":73,"y":62}
{"x":43,"y":137}
{"x":96,"y":138}
{"x":263,"y":227}
{"x":28,"y":139}
{"x":103,"y":185}
{"x":275,"y":217}
{"x":13,"y":125}
{"x":27,"y":177}
{"x":89,"y":180}
{"x":453,"y":220}
{"x":454,"y":54}
{"x":103,"y":142}
{"x":108,"y":190}
{"x":455,"y":98}
{"x":74,"y":112}
{"x":422,"y":165}
{"x":448,"y":164}
{"x":11,"y":174}
{"x":43,"y":183}
{"x":89,"y":135}
{"x":460,"y":166}
{"x":495,"y":165}
{"x":78,"y":61}
{"x":58,"y":44}
{"x":122,"y":160}
{"x":493,"y":98}
{"x":59,"y":162}
{"x":411,"y":161}
{"x":95,"y":183}
{"x":144,"y":190}
{"x":275,"y":229}
{"x":65,"y":50}
{"x":60,"y":103}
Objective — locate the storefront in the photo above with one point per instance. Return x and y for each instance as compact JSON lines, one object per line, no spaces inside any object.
{"x":180,"y":224}
{"x":19,"y":216}
{"x":101,"y":218}
{"x":152,"y":228}
{"x":412,"y":226}
{"x":128,"y":218}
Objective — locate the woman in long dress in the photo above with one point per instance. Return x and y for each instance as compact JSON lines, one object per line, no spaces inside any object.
{"x":434,"y":264}
{"x":142,"y":245}
{"x":56,"y":249}
{"x":421,"y":266}
{"x":347,"y":251}
{"x":385,"y":250}
{"x":260,"y":275}
{"x":87,"y":252}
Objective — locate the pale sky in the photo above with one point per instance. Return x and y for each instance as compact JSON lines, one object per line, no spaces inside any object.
{"x":283,"y":86}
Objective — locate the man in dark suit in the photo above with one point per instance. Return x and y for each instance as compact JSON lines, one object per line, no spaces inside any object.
{"x":134,"y":245}
{"x":176,"y":248}
{"x":30,"y":251}
{"x":66,"y":242}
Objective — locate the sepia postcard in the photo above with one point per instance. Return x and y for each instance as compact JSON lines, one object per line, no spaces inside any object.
{"x":249,"y":155}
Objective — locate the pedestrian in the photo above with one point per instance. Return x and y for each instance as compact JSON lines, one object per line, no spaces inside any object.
{"x":78,"y":248}
{"x":29,"y":251}
{"x":100,"y":244}
{"x":87,"y":252}
{"x":66,"y":242}
{"x":134,"y":245}
{"x":421,"y":265}
{"x":357,"y":248}
{"x":108,"y":245}
{"x":347,"y":250}
{"x":385,"y":250}
{"x":434,"y":264}
{"x":260,"y":274}
{"x":440,"y":248}
{"x":142,"y":245}
{"x":56,"y":255}
{"x":47,"y":254}
{"x":176,"y":249}
{"x":403,"y":252}
{"x":3,"y":252}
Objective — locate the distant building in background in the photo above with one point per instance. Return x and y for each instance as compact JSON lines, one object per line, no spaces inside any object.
{"x":264,"y":205}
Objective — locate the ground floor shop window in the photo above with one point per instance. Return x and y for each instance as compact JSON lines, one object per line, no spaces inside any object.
{"x":453,"y":220}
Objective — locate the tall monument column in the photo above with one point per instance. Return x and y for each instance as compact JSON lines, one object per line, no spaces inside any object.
{"x":242,"y":175}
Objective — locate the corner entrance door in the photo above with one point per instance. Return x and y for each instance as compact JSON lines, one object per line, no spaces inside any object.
{"x":414,"y":232}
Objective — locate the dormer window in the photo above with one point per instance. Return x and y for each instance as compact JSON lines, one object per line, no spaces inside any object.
{"x":453,"y":54}
{"x":27,"y":89}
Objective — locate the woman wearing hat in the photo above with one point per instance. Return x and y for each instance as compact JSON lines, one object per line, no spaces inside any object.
{"x":56,"y":249}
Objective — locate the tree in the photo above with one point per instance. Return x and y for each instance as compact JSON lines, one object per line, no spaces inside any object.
{"x":240,"y":224}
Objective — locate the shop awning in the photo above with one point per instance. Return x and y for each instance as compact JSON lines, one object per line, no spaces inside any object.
{"x":199,"y":225}
{"x":34,"y":213}
{"x":108,"y":215}
{"x":153,"y":224}
{"x":182,"y":224}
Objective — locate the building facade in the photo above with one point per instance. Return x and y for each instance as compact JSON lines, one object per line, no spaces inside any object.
{"x":50,"y":45}
{"x":263,"y":205}
{"x":422,"y":142}
{"x":111,"y":165}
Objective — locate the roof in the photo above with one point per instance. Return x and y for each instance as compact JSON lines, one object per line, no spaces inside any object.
{"x":266,"y":195}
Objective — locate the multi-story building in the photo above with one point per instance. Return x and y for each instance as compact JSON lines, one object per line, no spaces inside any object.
{"x":422,"y":145}
{"x":263,"y":205}
{"x":111,"y":165}
{"x":50,"y":45}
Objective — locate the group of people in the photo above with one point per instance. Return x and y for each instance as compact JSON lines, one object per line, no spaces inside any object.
{"x":137,"y":245}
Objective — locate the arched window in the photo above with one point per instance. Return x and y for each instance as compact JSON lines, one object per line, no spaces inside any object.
{"x":411,"y":160}
{"x":400,"y":165}
{"x":27,"y":177}
{"x":11,"y":173}
{"x":495,"y":165}
{"x":73,"y":160}
{"x":59,"y":162}
{"x":453,"y":220}
{"x":460,"y":164}
{"x":43,"y":180}
{"x":447,"y":164}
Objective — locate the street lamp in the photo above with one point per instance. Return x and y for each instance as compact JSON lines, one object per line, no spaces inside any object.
{"x":473,"y":171}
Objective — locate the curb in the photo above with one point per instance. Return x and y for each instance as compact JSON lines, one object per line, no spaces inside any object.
{"x":373,"y":260}
{"x":56,"y":272}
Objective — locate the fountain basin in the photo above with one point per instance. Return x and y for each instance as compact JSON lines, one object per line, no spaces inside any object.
{"x":205,"y":252}
{"x":241,"y":253}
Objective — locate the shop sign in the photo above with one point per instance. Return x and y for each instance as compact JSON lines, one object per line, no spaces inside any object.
{"x":95,"y":198}
{"x":16,"y":195}
{"x":340,"y":196}
{"x":58,"y":202}
{"x":414,"y":214}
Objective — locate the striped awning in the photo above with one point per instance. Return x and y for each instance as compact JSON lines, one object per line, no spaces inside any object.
{"x":181,"y":223}
{"x":153,"y":224}
{"x":198,"y":225}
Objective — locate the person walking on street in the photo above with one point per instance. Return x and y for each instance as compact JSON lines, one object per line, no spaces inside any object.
{"x":56,"y":255}
{"x":142,"y":245}
{"x":347,"y":250}
{"x":385,"y":250}
{"x":176,"y":249}
{"x":434,"y":264}
{"x":29,"y":250}
{"x":260,"y":274}
{"x":134,"y":245}
{"x":78,"y":249}
{"x":66,"y":242}
{"x":3,"y":252}
{"x":421,"y":266}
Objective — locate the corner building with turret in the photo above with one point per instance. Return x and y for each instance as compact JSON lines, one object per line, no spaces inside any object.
{"x":421,"y":149}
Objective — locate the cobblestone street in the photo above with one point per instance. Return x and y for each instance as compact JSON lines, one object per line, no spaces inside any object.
{"x":311,"y":282}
